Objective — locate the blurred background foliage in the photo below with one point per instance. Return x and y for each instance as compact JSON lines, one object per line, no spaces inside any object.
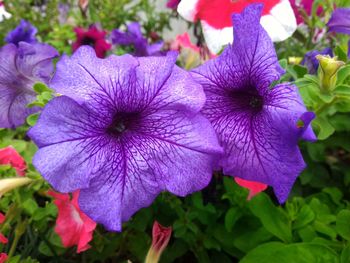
{"x":217,"y":224}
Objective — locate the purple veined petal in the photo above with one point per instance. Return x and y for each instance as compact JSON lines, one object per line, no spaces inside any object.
{"x":35,"y":60}
{"x":91,"y":74}
{"x":340,"y":21}
{"x":166,"y":154}
{"x":20,"y":68}
{"x":65,"y":133}
{"x":251,"y":58}
{"x":173,"y":90}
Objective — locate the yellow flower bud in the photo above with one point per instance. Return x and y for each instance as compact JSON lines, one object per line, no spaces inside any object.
{"x":328,"y":71}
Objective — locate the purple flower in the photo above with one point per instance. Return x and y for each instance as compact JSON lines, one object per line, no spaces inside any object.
{"x":125,"y":130}
{"x":340,"y":21}
{"x":310,"y":60}
{"x":25,"y":32}
{"x":20,"y":68}
{"x":257,"y":125}
{"x":133,"y":37}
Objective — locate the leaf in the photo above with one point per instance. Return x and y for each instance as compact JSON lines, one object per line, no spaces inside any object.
{"x":340,"y":53}
{"x":324,"y":127}
{"x":345,"y":255}
{"x":231,"y":217}
{"x":343,"y":73}
{"x":32,"y":119}
{"x":275,"y":252}
{"x":40,"y":87}
{"x":343,"y":224}
{"x":304,"y":217}
{"x":273,"y":219}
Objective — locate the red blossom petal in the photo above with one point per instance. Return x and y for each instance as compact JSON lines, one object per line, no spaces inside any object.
{"x":217,"y":13}
{"x":9,"y":156}
{"x":3,"y":257}
{"x":3,"y":239}
{"x":2,"y":218}
{"x":72,"y":225}
{"x":160,"y":237}
{"x":254,"y":187}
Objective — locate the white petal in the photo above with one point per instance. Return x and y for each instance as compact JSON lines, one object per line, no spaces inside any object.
{"x":216,"y":38}
{"x":280,"y":23}
{"x":187,"y":9}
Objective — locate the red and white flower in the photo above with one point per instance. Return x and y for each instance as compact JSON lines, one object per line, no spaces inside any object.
{"x":215,"y":15}
{"x":3,"y":12}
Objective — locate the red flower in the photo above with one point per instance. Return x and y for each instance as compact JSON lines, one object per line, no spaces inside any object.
{"x":305,"y":5}
{"x":216,"y":18}
{"x":94,"y":38}
{"x":160,"y":239}
{"x":3,"y":257}
{"x":3,"y":239}
{"x":10,"y":156}
{"x":254,"y":187}
{"x":72,"y":225}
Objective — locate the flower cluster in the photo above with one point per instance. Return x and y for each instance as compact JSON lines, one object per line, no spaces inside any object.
{"x":126,"y":128}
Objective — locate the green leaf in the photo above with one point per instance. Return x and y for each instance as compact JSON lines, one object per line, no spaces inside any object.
{"x":30,"y":206}
{"x":275,"y":252}
{"x":345,"y":255}
{"x":304,"y":217}
{"x":231,"y":217}
{"x":274,"y":219}
{"x":40,"y":87}
{"x":343,"y":224}
{"x":324,"y":127}
{"x":340,"y":53}
{"x":342,"y":74}
{"x":32,"y":119}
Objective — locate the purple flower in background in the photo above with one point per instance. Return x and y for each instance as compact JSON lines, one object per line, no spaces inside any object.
{"x":20,"y":68}
{"x":311,"y":62}
{"x":25,"y":32}
{"x":124,"y":130}
{"x":133,"y":37}
{"x":258,"y":126}
{"x":340,"y":21}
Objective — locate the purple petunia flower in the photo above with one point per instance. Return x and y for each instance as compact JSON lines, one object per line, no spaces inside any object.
{"x":127,"y":129}
{"x":25,"y":32}
{"x":340,"y":21}
{"x":20,"y":68}
{"x":310,"y":60}
{"x":257,"y":125}
{"x":133,"y":37}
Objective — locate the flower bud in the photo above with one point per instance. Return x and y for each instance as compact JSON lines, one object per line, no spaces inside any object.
{"x":160,"y":239}
{"x":9,"y":184}
{"x":328,"y":71}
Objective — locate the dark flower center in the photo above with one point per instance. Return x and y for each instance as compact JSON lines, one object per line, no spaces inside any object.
{"x":248,"y":99}
{"x":88,"y":41}
{"x":122,"y":122}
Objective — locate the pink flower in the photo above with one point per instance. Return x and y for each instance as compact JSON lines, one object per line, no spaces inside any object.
{"x":72,"y":225}
{"x":160,"y":239}
{"x":215,"y":15}
{"x":254,"y":187}
{"x":305,"y":5}
{"x":184,"y":41}
{"x":3,"y":257}
{"x":9,"y":156}
{"x":3,"y":239}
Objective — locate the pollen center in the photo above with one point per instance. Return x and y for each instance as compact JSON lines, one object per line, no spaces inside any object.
{"x":88,"y":41}
{"x":122,"y":122}
{"x":256,"y":102}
